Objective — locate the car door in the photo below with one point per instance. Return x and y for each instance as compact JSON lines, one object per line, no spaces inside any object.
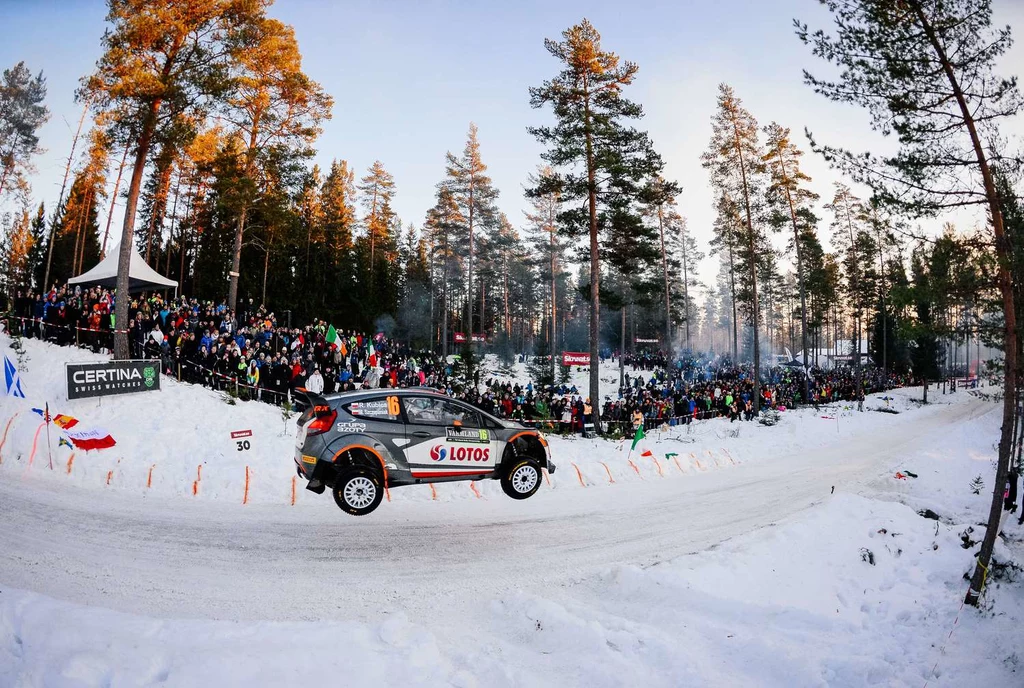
{"x":447,"y":438}
{"x":381,"y":418}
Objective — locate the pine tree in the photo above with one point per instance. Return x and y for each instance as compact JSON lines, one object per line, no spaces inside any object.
{"x":37,"y":254}
{"x":591,"y":147}
{"x":22,"y":113}
{"x":473,"y":191}
{"x":162,"y":59}
{"x":443,"y":224}
{"x":734,"y":159}
{"x":275,"y":110}
{"x":791,"y":199}
{"x":543,"y":222}
{"x":15,"y":255}
{"x":925,"y":70}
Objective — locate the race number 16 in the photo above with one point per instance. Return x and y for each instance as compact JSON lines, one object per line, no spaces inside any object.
{"x":393,"y":409}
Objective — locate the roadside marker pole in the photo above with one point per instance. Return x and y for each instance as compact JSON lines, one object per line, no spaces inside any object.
{"x":245,"y":495}
{"x":578,"y":474}
{"x":35,"y":439}
{"x":608,"y":471}
{"x":71,"y":460}
{"x":433,"y":492}
{"x":472,"y":486}
{"x":293,"y":489}
{"x":149,"y":477}
{"x":636,"y":468}
{"x":4,"y":440}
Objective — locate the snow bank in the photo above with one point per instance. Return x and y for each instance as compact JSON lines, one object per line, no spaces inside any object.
{"x":176,"y":443}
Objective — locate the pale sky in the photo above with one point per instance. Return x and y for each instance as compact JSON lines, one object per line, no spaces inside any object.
{"x":408,"y":77}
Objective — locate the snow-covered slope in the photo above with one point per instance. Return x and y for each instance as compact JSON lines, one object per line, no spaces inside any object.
{"x":177,"y":442}
{"x":753,"y":573}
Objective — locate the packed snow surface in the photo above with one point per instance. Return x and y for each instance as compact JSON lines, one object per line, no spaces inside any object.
{"x":779,"y":556}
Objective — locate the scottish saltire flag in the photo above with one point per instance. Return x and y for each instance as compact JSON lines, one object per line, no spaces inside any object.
{"x":12,"y":378}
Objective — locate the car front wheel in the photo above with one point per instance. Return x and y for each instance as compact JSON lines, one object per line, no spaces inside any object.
{"x":522,"y":479}
{"x":358,"y":491}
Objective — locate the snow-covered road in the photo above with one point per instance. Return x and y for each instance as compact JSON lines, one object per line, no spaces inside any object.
{"x":186,"y":559}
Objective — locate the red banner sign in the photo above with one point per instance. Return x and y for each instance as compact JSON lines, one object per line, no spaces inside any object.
{"x":571,"y":358}
{"x":460,"y":338}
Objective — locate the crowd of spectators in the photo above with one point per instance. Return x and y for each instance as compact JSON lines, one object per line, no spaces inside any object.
{"x":251,"y":354}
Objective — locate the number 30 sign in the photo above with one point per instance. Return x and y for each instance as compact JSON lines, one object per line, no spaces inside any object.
{"x":241,"y":438}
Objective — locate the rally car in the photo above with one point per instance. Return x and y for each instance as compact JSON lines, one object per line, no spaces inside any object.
{"x":361,"y":443}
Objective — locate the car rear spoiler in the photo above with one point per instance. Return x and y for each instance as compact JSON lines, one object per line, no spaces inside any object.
{"x":314,"y":401}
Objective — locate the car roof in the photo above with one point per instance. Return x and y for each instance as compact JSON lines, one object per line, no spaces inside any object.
{"x":357,"y":394}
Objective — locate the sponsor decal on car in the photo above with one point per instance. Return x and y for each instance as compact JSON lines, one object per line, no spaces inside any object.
{"x":467,"y":436}
{"x":440,"y":452}
{"x":308,"y":459}
{"x":350,"y":426}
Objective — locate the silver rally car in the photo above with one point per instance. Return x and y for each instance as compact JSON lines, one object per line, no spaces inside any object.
{"x":360,"y":443}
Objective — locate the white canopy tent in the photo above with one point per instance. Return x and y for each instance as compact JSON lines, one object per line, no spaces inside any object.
{"x":141,"y":277}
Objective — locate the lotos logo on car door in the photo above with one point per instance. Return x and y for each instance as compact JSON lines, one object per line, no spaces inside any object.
{"x":439,"y":453}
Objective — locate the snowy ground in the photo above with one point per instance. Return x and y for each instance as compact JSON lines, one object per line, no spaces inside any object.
{"x":735,"y":566}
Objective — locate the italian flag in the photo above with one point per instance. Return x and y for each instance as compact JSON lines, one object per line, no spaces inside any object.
{"x":332,"y":337}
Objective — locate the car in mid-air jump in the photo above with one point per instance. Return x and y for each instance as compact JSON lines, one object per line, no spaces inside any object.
{"x":361,"y":443}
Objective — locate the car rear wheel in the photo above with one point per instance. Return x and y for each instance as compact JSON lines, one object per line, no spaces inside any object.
{"x":358,"y":490}
{"x":522,"y":479}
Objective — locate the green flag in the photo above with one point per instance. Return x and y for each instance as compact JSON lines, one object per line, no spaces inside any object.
{"x":637,"y":437}
{"x":670,"y":455}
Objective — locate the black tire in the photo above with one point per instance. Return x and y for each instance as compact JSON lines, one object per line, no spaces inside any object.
{"x":358,"y":490}
{"x":522,"y":478}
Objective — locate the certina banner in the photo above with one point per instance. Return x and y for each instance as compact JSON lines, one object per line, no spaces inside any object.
{"x":112,"y":377}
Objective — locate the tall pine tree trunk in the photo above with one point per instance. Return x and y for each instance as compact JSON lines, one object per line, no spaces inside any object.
{"x":1004,"y":278}
{"x":751,"y":247}
{"x":799,"y":279}
{"x":60,"y":197}
{"x":595,"y":263}
{"x":113,"y":201}
{"x":123,"y":300}
{"x":664,"y":274}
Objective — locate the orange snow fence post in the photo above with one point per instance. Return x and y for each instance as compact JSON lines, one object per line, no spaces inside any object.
{"x":195,"y":483}
{"x":110,"y":475}
{"x":547,"y":478}
{"x":71,"y":460}
{"x":694,"y":457}
{"x":4,"y":440}
{"x":293,"y":489}
{"x":726,"y":452}
{"x":149,"y":477}
{"x":712,"y":457}
{"x":676,"y":459}
{"x":658,"y":465}
{"x":472,"y":486}
{"x":35,"y":439}
{"x":433,"y":492}
{"x":245,"y":495}
{"x":608,"y":471}
{"x":384,"y":469}
{"x":635,"y":468}
{"x":579,"y":475}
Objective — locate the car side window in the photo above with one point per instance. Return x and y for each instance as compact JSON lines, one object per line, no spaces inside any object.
{"x":377,"y":408}
{"x":438,"y":411}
